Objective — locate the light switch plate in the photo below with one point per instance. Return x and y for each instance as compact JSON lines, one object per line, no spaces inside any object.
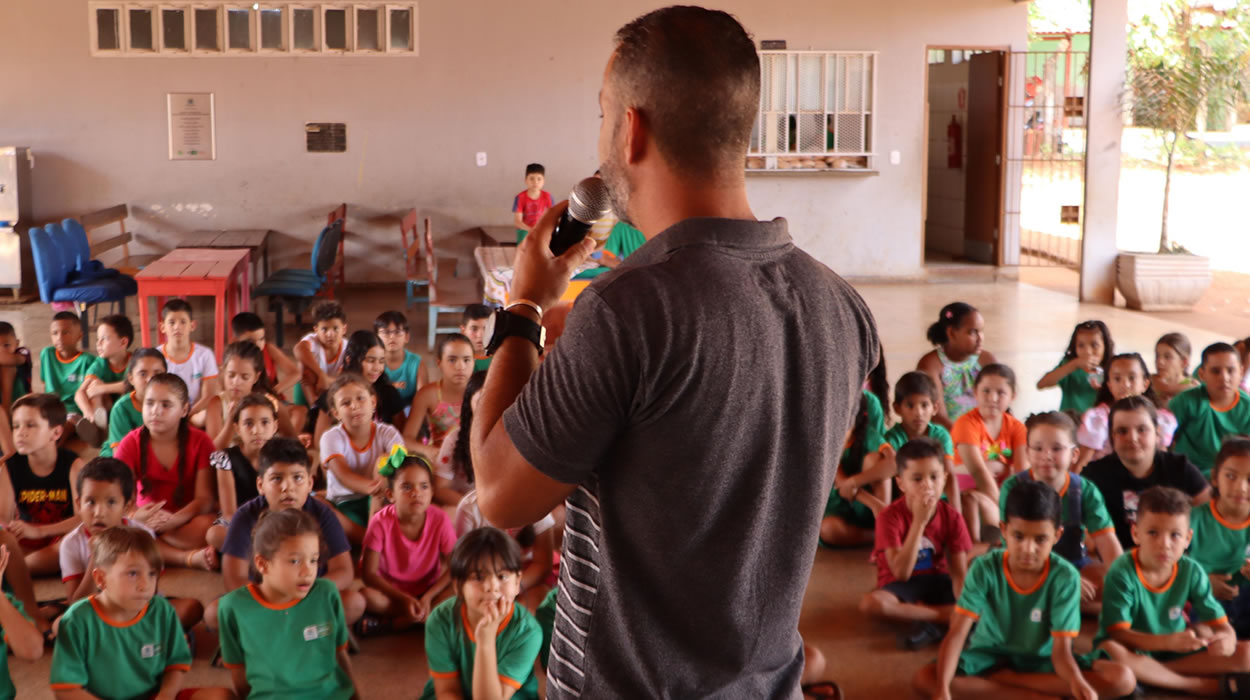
{"x":895,"y":158}
{"x":481,"y":159}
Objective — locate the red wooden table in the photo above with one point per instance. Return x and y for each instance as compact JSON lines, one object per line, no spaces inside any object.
{"x":218,"y":273}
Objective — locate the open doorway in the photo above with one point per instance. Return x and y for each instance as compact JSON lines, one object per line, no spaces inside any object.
{"x":965,"y":111}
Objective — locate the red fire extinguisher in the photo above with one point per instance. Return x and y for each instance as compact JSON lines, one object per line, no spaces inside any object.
{"x":954,"y":144}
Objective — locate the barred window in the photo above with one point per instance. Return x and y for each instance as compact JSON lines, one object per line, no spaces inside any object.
{"x":816,"y":111}
{"x":200,"y":28}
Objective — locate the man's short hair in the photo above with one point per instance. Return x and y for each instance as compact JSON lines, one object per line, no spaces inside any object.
{"x":1034,"y":501}
{"x":390,"y":318}
{"x":916,"y":450}
{"x":1163,"y":500}
{"x":475,"y":312}
{"x":694,"y":76}
{"x":246,"y":322}
{"x":282,"y":450}
{"x":121,"y":326}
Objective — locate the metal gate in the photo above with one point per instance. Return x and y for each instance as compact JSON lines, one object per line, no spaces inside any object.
{"x":1046,"y":164}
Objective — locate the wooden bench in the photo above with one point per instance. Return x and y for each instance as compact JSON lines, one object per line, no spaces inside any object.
{"x":107,"y":217}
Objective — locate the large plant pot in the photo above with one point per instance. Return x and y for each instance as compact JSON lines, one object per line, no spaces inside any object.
{"x":1157,"y":282}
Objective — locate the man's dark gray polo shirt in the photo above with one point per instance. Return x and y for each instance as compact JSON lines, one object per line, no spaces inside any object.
{"x":699,"y":398}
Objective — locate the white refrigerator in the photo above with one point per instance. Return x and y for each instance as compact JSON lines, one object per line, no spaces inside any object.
{"x":17,"y":267}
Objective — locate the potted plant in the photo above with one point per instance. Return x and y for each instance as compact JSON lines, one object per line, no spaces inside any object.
{"x":1176,"y":74}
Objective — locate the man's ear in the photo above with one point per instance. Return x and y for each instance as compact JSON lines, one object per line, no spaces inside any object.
{"x":635,"y":129}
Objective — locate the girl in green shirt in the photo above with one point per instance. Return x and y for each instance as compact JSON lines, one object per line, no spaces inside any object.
{"x":1083,"y":369}
{"x":127,"y":411}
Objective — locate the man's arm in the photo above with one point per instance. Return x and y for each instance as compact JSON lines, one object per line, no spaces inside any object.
{"x":511,"y":492}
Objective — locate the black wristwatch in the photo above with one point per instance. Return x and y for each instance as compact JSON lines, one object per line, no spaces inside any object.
{"x":505,"y":324}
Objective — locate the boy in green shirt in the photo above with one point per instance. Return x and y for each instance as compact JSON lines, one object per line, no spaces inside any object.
{"x":1052,"y":452}
{"x":482,"y":627}
{"x":127,"y":411}
{"x":63,"y":365}
{"x":106,"y":377}
{"x":915,"y":401}
{"x":1217,"y":408}
{"x":1025,"y":602}
{"x":1221,"y":543}
{"x":1143,"y":622}
{"x":20,"y":634}
{"x":125,"y":641}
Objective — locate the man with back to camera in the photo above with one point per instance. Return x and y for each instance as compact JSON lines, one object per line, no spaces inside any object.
{"x":682,"y":414}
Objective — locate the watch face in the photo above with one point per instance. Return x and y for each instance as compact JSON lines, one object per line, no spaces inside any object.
{"x":542,"y":339}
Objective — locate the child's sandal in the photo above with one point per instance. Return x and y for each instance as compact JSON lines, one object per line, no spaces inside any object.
{"x":824,"y":690}
{"x":1235,"y":685}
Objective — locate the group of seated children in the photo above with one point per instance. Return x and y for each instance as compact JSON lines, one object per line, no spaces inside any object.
{"x":272,"y":470}
{"x":1094,"y":515}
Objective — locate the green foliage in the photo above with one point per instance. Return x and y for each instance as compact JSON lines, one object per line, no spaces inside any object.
{"x":1182,"y":62}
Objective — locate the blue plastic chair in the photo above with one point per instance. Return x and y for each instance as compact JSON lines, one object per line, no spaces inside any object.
{"x":297,"y":286}
{"x":79,"y":250}
{"x":57,"y":281}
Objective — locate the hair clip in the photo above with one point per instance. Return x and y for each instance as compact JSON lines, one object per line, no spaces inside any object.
{"x":393,"y":461}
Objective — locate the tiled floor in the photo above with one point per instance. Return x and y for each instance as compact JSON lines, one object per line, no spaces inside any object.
{"x":1027,"y":327}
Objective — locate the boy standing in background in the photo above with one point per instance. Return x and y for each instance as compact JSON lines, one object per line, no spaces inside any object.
{"x":528,"y":206}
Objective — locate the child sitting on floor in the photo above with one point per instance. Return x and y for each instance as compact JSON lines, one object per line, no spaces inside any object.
{"x":19,"y":633}
{"x":284,"y":479}
{"x":170,"y":461}
{"x":320,"y":353}
{"x":1136,"y":464}
{"x":1222,"y":533}
{"x":1172,"y":353}
{"x":255,"y":422}
{"x":1025,"y":604}
{"x":286,"y":634}
{"x":195,"y":364}
{"x":1083,"y":369}
{"x":350,"y":452}
{"x":438,"y":403}
{"x":473,"y":326}
{"x":282,"y":371}
{"x":1052,"y":450}
{"x":991,"y":444}
{"x":1144,"y":624}
{"x":957,"y":360}
{"x":921,"y":548}
{"x":854,"y":500}
{"x":406,"y":547}
{"x":127,"y":412}
{"x":454,"y":461}
{"x":1127,"y":375}
{"x":39,"y":503}
{"x":244,"y":372}
{"x":125,"y":641}
{"x":15,"y":366}
{"x":403,"y":367}
{"x":1206,"y":414}
{"x":63,"y":365}
{"x":106,"y":492}
{"x":482,"y":628}
{"x":366,"y":356}
{"x":106,"y":377}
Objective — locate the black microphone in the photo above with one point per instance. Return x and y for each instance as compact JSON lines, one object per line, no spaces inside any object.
{"x":588,"y":202}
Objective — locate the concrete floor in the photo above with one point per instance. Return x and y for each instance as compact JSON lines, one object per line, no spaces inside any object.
{"x":1027,"y":326}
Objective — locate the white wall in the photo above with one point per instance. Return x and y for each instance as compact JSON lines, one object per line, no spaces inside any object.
{"x":517,"y":80}
{"x":944,"y":220}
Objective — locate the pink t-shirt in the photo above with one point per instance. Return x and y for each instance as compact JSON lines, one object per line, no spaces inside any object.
{"x":412,"y":566}
{"x":945,"y":533}
{"x":163,"y":481}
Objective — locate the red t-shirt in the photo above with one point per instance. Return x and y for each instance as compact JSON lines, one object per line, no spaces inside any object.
{"x":946,"y":532}
{"x":163,"y":480}
{"x":532,"y":209}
